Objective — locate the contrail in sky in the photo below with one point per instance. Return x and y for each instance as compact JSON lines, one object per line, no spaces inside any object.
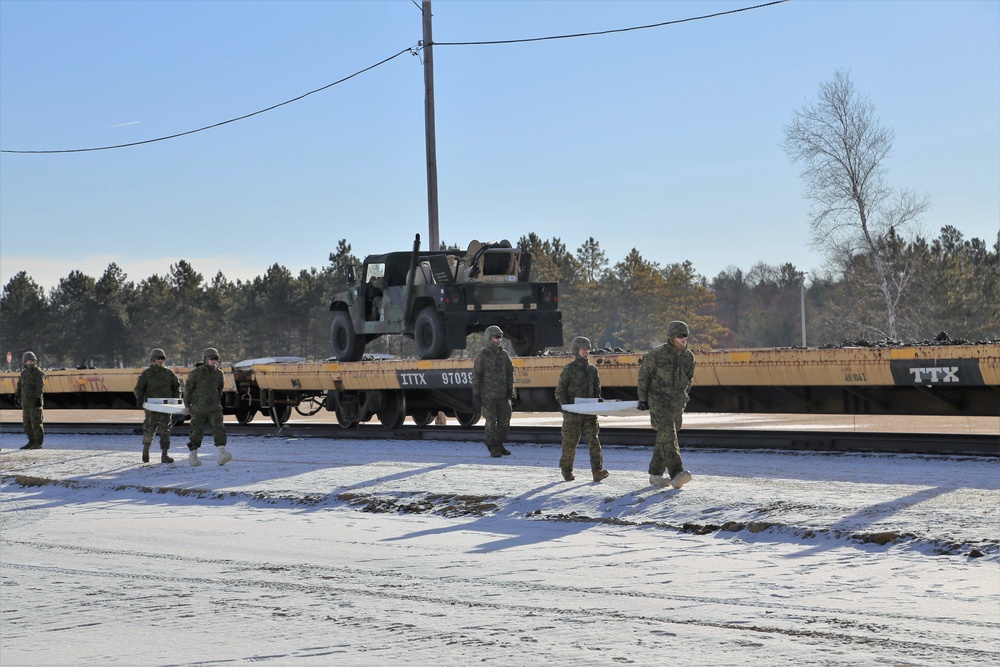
{"x":133,"y":122}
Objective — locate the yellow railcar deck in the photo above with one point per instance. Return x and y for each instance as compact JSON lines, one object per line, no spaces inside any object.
{"x":946,"y":379}
{"x":848,"y":367}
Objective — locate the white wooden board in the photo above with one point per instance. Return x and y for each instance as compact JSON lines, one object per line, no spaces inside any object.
{"x":594,"y":407}
{"x":170,"y":406}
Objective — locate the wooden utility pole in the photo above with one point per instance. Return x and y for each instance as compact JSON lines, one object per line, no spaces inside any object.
{"x":432,"y":184}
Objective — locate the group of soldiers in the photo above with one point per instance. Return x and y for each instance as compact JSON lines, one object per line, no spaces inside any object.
{"x":203,"y":397}
{"x":665,"y":378}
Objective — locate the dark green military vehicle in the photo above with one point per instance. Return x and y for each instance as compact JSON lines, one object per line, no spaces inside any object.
{"x":438,"y":298}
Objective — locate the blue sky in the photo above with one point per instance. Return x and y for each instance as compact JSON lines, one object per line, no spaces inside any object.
{"x":667,"y":140}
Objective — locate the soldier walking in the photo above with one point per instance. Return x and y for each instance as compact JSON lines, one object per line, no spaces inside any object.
{"x":203,"y":398}
{"x":157,"y":381}
{"x":29,"y":394}
{"x":580,"y":379}
{"x":493,"y":389}
{"x":665,"y":379}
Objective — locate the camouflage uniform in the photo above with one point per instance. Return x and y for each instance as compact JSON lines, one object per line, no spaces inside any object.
{"x":579,"y":379}
{"x":157,"y":381}
{"x":203,"y":398}
{"x":493,"y":390}
{"x":29,"y":393}
{"x":665,"y":379}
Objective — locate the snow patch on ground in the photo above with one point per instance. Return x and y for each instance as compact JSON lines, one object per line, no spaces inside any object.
{"x":361,"y":552}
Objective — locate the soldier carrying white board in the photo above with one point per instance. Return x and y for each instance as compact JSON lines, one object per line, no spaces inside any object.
{"x":157,"y":381}
{"x":579,"y":379}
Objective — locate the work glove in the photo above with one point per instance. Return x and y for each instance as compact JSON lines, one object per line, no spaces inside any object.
{"x":477,"y":402}
{"x":17,"y":401}
{"x":138,"y":401}
{"x":38,"y":402}
{"x":643,"y":405}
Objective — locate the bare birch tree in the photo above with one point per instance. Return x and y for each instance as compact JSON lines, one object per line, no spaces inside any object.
{"x":842,"y":148}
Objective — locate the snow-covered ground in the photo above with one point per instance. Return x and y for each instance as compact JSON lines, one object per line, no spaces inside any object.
{"x":311,"y":552}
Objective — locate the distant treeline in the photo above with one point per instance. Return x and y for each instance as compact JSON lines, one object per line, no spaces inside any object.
{"x":952,"y":285}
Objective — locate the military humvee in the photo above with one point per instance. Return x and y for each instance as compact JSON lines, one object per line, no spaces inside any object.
{"x":438,"y":298}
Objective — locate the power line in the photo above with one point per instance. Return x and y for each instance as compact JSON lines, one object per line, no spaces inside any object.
{"x":410,"y":49}
{"x":610,"y":32}
{"x":225,"y":122}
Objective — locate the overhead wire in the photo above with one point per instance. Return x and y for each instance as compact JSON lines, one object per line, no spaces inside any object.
{"x":613,"y":31}
{"x":410,"y":49}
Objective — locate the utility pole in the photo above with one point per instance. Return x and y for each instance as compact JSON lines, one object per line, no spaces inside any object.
{"x":802,"y":305}
{"x":430,"y":138}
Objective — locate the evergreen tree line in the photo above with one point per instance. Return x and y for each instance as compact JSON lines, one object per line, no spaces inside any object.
{"x":951,"y":284}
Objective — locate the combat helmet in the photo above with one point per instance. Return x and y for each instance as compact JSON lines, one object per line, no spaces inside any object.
{"x":156,"y":354}
{"x":493,"y":330}
{"x":29,"y":355}
{"x":579,"y":342}
{"x":677,"y":328}
{"x":210,"y":352}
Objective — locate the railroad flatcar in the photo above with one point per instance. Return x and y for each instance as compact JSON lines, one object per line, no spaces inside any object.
{"x":905,"y":380}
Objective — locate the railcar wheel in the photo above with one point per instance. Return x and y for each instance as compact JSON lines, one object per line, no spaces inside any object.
{"x":347,"y":345}
{"x":393,"y":411}
{"x":429,"y":335}
{"x":245,"y":413}
{"x":468,"y":419}
{"x":280,"y":414}
{"x":423,"y":417}
{"x":344,"y":422}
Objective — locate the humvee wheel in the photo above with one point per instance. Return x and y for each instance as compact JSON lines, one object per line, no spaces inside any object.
{"x":527,"y":341}
{"x":347,"y":345}
{"x":429,"y":335}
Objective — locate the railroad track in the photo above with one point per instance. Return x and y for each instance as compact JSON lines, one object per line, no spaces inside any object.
{"x":945,"y":444}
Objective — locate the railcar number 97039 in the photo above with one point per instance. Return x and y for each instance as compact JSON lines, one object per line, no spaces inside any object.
{"x":433,"y":379}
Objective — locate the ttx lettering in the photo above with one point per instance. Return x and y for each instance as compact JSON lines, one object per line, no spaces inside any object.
{"x":935,"y":374}
{"x":412,"y":379}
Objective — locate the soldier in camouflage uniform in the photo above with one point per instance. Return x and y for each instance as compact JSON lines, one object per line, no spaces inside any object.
{"x":493,"y":389}
{"x":665,"y":379}
{"x":29,"y":395}
{"x":579,"y":379}
{"x":157,"y":381}
{"x":203,"y":398}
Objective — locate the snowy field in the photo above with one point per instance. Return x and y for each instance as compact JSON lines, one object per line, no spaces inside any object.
{"x":375,"y":553}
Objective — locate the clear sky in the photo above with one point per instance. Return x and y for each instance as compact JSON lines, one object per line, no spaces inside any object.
{"x":666,"y":139}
